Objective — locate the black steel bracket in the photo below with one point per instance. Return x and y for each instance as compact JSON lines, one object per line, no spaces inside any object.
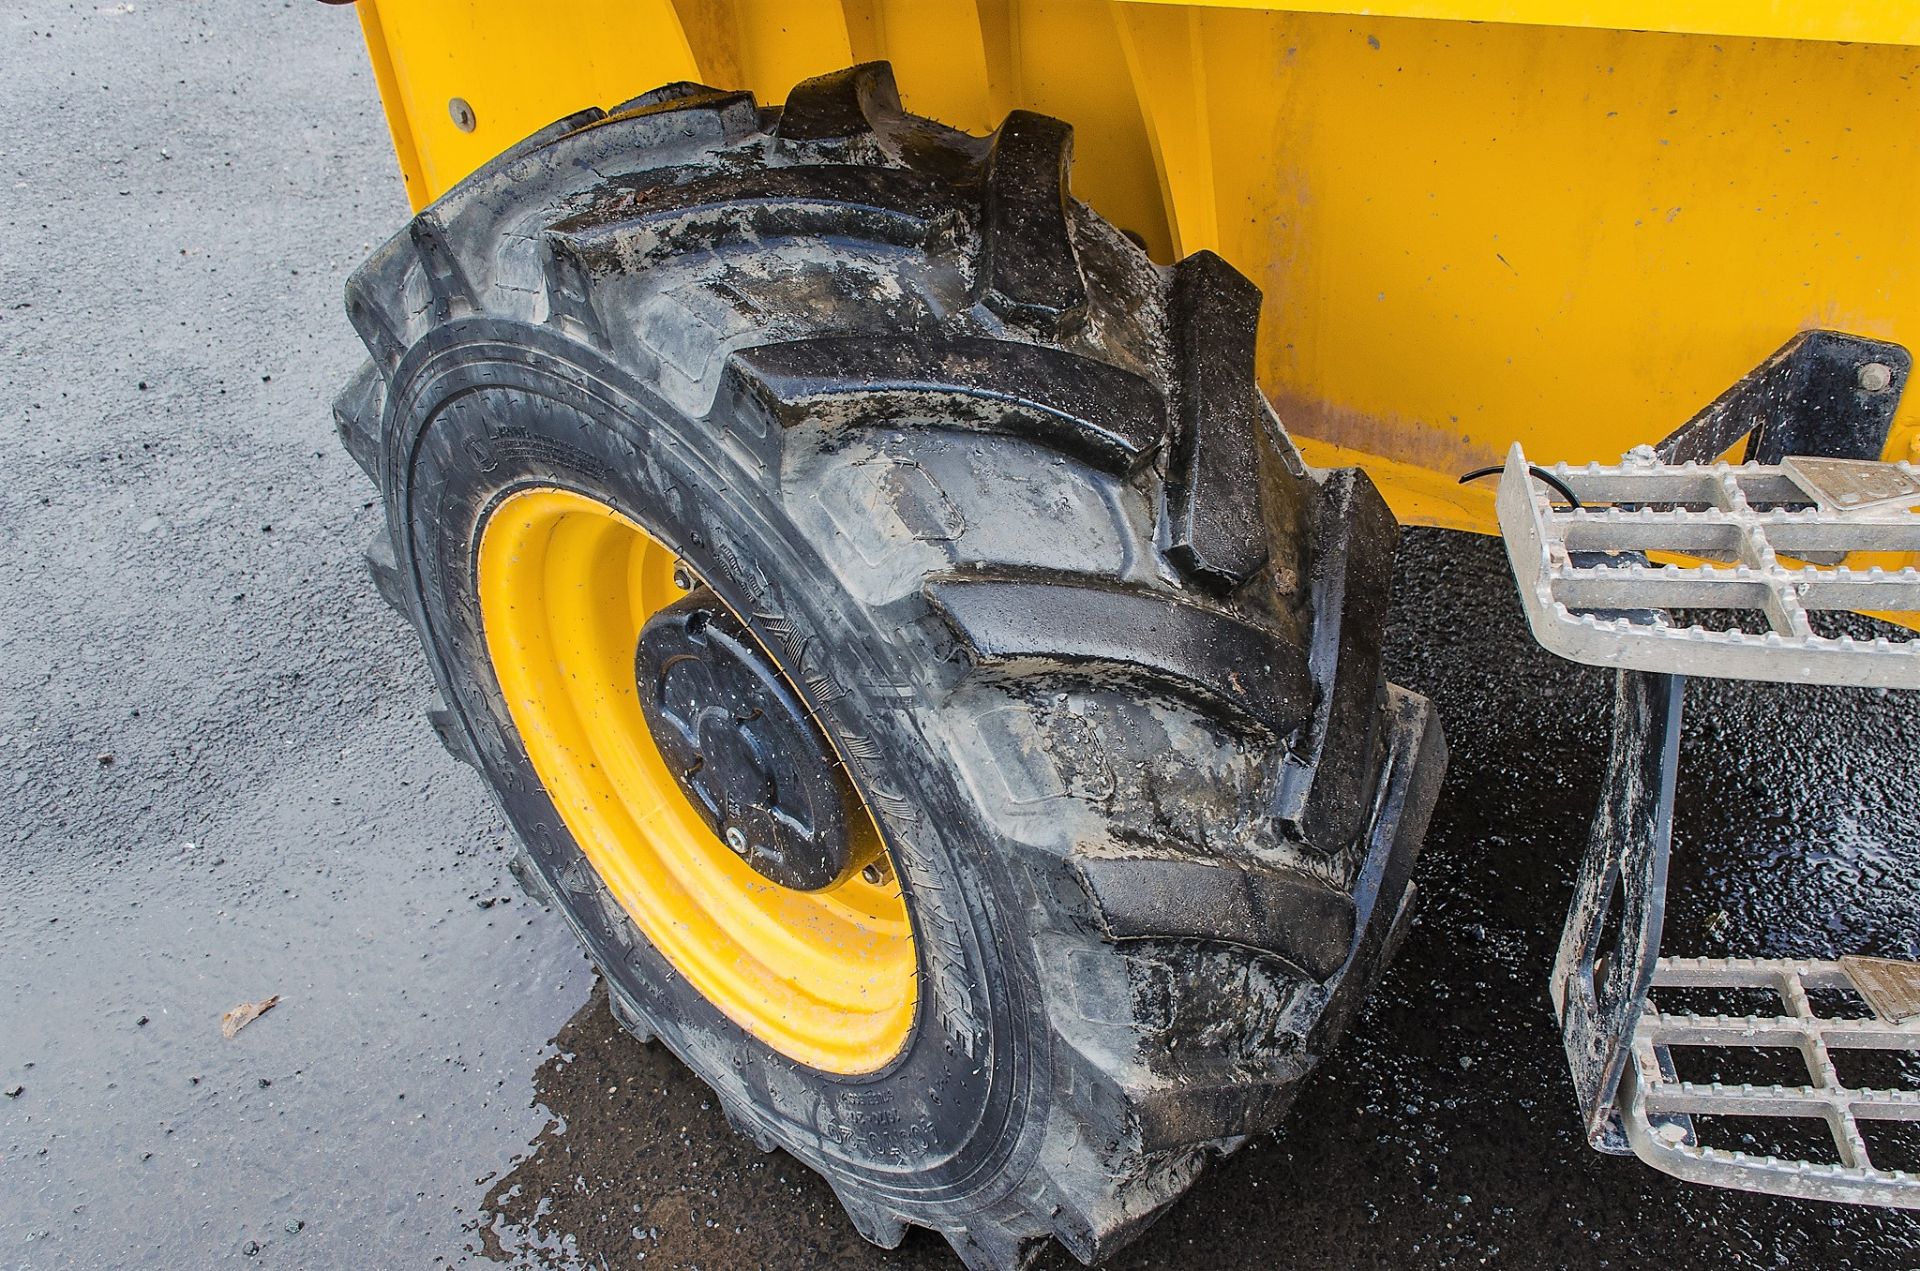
{"x":1611,"y":940}
{"x":1823,"y":393}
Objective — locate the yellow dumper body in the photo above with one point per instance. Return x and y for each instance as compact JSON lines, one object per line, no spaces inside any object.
{"x":1569,"y":223}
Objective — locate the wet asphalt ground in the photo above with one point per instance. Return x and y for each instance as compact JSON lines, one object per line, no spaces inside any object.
{"x":218,"y":786}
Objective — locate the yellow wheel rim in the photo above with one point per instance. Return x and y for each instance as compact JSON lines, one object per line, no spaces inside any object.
{"x":826,"y":978}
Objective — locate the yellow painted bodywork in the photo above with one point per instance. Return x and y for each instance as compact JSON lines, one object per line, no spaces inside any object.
{"x":827,"y":978}
{"x":1475,"y":221}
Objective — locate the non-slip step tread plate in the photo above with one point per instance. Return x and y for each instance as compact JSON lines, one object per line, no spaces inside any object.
{"x":1656,"y":1102}
{"x":1764,"y":530}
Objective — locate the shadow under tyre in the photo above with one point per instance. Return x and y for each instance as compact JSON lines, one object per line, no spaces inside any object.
{"x":915,"y":659}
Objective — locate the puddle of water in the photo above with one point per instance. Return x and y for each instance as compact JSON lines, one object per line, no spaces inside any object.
{"x":637,"y":1163}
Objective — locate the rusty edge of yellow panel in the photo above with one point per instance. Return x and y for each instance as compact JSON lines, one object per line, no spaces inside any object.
{"x":1842,"y":21}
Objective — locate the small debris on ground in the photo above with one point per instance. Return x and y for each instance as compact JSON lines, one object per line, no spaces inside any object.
{"x":245,"y":1013}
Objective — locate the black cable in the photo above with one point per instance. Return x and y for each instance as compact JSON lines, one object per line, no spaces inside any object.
{"x":1539,"y":474}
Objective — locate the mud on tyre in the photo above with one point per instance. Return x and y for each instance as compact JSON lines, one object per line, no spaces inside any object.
{"x":1093,"y":656}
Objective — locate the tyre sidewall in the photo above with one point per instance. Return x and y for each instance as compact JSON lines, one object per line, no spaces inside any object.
{"x":483,"y":409}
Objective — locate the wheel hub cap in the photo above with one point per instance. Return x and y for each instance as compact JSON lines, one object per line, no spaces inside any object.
{"x":743,"y":747}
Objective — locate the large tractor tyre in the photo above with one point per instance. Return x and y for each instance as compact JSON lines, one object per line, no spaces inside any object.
{"x":916,"y":661}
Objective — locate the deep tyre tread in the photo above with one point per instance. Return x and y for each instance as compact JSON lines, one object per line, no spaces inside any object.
{"x":385,"y":572}
{"x":1030,"y":271}
{"x":843,"y":104}
{"x":446,"y":726}
{"x":1217,"y":529}
{"x":1099,"y":650}
{"x":527,"y":878}
{"x":1214,"y":658}
{"x":624,"y":1012}
{"x":1097,"y":413}
{"x":356,"y":418}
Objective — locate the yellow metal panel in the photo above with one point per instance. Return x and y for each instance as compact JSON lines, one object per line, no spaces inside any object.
{"x":398,"y":122}
{"x":1470,"y":235}
{"x":774,"y":43}
{"x":1162,"y":47}
{"x":519,"y":66}
{"x":1467,"y":233}
{"x":1858,"y":21}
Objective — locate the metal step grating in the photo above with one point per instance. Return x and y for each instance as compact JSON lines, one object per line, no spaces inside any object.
{"x":1657,"y":1105}
{"x":1591,"y":595}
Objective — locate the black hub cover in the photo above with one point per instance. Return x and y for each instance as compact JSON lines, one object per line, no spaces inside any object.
{"x":743,"y":746}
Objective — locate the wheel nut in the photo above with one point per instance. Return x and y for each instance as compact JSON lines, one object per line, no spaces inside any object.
{"x":736,"y":840}
{"x":682,"y":577}
{"x":1874,"y":377}
{"x":462,"y":114}
{"x":872,"y":875}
